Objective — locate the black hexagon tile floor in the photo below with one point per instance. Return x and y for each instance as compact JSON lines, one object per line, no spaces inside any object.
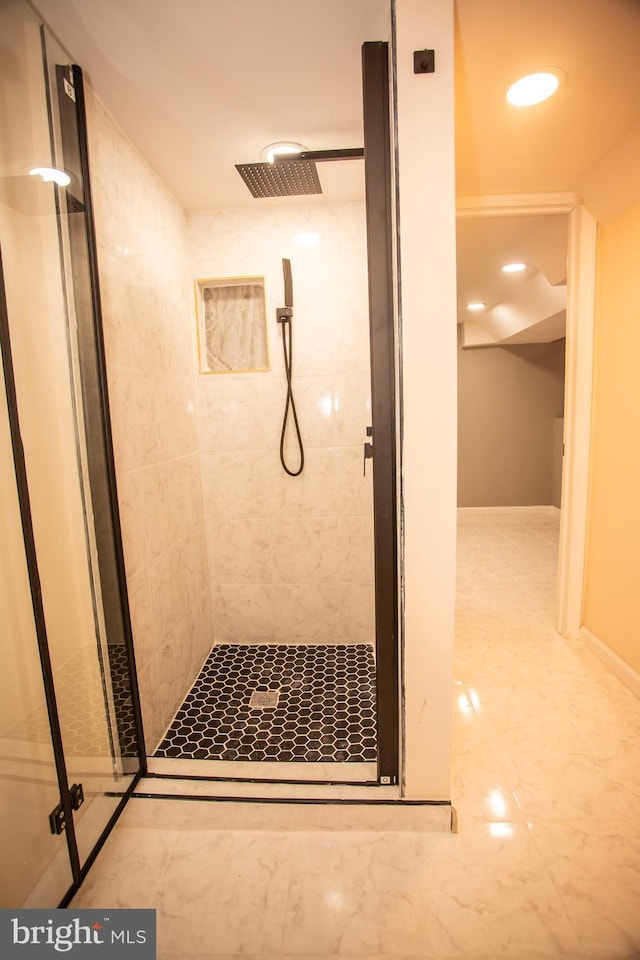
{"x":324,"y":710}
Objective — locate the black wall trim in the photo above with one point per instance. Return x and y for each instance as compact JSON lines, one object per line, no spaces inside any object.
{"x":379,"y":207}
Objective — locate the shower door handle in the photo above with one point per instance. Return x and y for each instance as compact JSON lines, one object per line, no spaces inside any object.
{"x":368,"y":451}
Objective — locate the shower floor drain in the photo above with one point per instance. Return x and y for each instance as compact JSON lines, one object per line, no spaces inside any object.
{"x":264,"y":698}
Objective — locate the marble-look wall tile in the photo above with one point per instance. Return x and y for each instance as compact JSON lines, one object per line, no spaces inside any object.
{"x":244,"y":612}
{"x":315,"y":409}
{"x":240,"y":550}
{"x":353,"y":486}
{"x":230,"y":413}
{"x":323,"y":613}
{"x":313,"y":494}
{"x":323,"y":549}
{"x":142,"y":618}
{"x":234,"y":484}
{"x":294,"y":553}
{"x":352,"y":405}
{"x":150,"y":341}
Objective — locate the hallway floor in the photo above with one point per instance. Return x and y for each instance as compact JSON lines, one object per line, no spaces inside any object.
{"x":546,"y":784}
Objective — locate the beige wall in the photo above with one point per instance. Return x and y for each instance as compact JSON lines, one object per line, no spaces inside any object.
{"x":508,"y":398}
{"x":611,"y":598}
{"x":141,"y":233}
{"x":291,"y":558}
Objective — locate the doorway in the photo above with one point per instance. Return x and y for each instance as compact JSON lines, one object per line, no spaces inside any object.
{"x":578,"y":373}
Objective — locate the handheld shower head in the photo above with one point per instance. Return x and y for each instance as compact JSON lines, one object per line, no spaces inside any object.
{"x":284,"y":314}
{"x":288,"y":285}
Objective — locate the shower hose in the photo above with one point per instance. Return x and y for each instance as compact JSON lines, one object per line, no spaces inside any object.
{"x":287,"y":349}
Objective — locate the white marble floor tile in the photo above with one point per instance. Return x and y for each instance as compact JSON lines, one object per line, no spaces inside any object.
{"x":597,"y":874}
{"x":488,"y":893}
{"x":355,"y":894}
{"x":225,"y":892}
{"x":146,"y":814}
{"x":545,"y":863}
{"x":481,"y":787}
{"x":130,"y":870}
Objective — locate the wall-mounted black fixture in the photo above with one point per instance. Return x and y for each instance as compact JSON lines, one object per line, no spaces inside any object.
{"x":322,"y":156}
{"x":424,"y":61}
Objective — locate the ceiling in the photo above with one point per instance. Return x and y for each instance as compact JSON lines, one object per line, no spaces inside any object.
{"x":526,"y":307}
{"x":202,"y":85}
{"x":502,"y":149}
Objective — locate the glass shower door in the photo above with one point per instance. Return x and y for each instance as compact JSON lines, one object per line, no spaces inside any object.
{"x":36,"y":868}
{"x":52,"y":397}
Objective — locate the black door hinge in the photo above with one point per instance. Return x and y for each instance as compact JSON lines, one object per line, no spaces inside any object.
{"x":77,"y":796}
{"x":57,"y":820}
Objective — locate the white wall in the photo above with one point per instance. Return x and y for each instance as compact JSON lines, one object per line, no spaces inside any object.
{"x":428,"y":327}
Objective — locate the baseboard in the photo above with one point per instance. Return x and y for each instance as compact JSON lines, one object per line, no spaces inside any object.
{"x":611,"y":660}
{"x":542,"y":510}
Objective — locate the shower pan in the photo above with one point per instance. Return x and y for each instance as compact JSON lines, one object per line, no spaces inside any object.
{"x":286,"y":703}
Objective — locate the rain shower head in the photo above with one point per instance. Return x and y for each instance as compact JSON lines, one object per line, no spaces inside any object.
{"x":291,"y":177}
{"x":286,"y":178}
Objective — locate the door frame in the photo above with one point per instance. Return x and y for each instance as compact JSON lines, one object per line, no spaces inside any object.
{"x":581,"y":272}
{"x":379,"y":202}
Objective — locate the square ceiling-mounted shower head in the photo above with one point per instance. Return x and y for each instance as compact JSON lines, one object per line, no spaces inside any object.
{"x":286,"y":178}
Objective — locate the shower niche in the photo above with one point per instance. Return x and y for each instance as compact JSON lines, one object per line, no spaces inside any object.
{"x":232,"y":325}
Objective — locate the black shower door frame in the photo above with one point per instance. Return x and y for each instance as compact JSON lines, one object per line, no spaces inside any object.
{"x":379,"y":212}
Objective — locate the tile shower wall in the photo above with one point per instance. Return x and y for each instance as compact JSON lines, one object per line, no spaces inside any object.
{"x":151,"y":359}
{"x":290,"y":558}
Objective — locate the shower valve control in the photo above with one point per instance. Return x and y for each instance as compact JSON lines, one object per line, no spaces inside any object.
{"x":283,"y":314}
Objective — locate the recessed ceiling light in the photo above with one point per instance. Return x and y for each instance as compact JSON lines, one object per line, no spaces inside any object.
{"x":514,"y":267}
{"x":279,"y":149}
{"x":534,"y":88}
{"x":476,"y":306}
{"x":50,"y":174}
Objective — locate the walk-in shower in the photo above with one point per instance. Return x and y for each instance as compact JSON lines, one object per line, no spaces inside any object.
{"x":304,"y":689}
{"x":303,"y":564}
